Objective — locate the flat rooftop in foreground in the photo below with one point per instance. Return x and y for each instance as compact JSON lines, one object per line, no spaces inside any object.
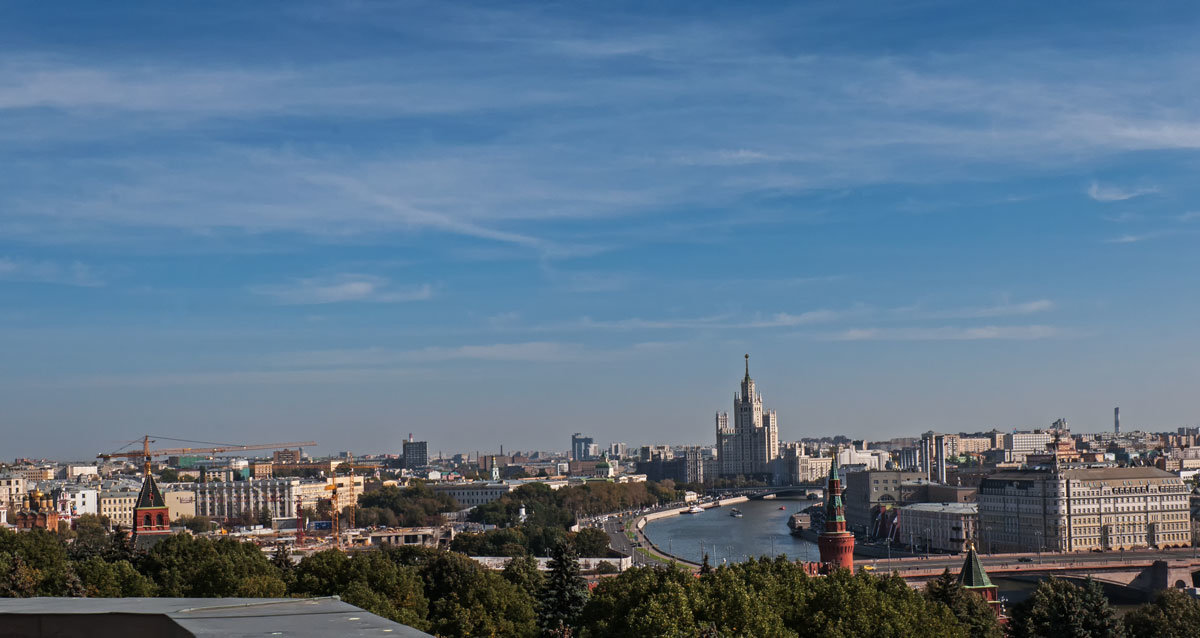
{"x":192,"y":617}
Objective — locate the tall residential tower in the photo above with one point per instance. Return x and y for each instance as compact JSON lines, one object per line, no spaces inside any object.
{"x":752,"y":443}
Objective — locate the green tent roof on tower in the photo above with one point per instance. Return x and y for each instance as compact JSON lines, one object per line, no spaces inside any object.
{"x":973,"y":575}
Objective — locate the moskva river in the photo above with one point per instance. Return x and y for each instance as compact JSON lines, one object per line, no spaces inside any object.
{"x":761,"y":531}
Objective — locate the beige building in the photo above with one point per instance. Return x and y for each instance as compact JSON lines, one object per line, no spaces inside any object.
{"x":477,"y":493}
{"x":33,"y":474}
{"x":12,"y":488}
{"x":1080,"y":509}
{"x":943,"y":527}
{"x":180,"y":499}
{"x":971,"y":445}
{"x":806,"y":469}
{"x":118,"y":507}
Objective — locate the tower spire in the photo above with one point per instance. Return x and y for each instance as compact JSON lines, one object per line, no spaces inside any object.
{"x":747,"y":366}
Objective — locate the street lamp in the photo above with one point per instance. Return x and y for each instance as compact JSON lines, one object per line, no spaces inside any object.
{"x":928,"y":540}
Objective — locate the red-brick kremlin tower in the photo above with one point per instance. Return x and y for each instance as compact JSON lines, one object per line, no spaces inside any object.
{"x":836,"y":544}
{"x":151,"y":517}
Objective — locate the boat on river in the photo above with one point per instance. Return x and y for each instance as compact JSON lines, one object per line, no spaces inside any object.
{"x":695,"y":509}
{"x":736,"y":513}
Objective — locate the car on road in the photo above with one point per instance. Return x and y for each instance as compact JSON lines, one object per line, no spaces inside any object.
{"x":1024,"y":559}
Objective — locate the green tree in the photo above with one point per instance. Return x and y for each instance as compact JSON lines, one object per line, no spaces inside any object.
{"x":727,"y":605}
{"x":195,"y":524}
{"x":191,"y":566}
{"x":36,"y":564}
{"x":418,"y":504}
{"x":564,"y":593}
{"x":1060,"y":609}
{"x":971,"y":609}
{"x":590,"y":542}
{"x":264,"y":517}
{"x":102,"y":579}
{"x":1172,"y":614}
{"x":845,"y":604}
{"x":375,"y":581}
{"x":169,"y":476}
{"x":92,"y":538}
{"x":468,"y":600}
{"x":523,"y":572}
{"x":642,"y":601}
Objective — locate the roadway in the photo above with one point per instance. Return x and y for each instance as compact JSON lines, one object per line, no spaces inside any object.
{"x":1026,"y":562}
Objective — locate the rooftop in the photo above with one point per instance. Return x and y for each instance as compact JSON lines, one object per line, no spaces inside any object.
{"x":200,"y":617}
{"x":952,"y":508}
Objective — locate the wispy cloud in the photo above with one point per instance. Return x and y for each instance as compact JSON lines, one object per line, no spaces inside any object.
{"x":48,"y":272}
{"x":783,"y":319}
{"x":818,"y":316}
{"x":231,"y":377}
{"x":1102,"y":193}
{"x":982,"y":312}
{"x":587,"y":282}
{"x":342,"y":288}
{"x":529,"y":351}
{"x":1140,"y":237}
{"x":948,"y":333}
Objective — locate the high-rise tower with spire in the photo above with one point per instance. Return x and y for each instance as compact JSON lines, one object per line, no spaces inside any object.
{"x":748,"y":447}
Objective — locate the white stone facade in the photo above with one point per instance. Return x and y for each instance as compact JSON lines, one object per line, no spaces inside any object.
{"x":1083,"y":509}
{"x":229,"y":499}
{"x":944,"y":527}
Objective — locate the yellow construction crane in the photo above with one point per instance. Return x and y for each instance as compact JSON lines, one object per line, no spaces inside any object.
{"x":350,"y":465}
{"x":145,"y":453}
{"x":333,"y":497}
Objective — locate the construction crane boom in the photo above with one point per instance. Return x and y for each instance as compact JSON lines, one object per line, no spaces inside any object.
{"x":145,"y":453}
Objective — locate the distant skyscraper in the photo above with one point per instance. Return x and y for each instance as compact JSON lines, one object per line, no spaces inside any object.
{"x":416,"y":453}
{"x":753,"y":442}
{"x":1117,"y":420}
{"x":582,"y":447}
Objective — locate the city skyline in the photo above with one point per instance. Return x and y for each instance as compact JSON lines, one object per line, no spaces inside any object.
{"x":492,"y":226}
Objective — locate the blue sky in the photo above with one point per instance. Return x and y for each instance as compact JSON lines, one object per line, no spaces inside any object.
{"x":504,"y":223}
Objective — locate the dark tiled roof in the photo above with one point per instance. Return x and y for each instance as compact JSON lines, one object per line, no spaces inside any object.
{"x":150,"y":496}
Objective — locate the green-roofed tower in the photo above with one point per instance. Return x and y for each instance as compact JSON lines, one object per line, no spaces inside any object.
{"x":974,"y":577}
{"x":836,"y":544}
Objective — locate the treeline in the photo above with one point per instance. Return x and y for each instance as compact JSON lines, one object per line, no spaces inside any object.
{"x":413,"y":506}
{"x":561,"y":507}
{"x":549,"y":514}
{"x":532,"y":540}
{"x":447,"y":594}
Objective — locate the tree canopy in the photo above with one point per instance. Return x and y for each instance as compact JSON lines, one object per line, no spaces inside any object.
{"x":1060,"y":609}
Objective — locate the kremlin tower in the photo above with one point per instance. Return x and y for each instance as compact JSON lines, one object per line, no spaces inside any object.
{"x":974,"y":578}
{"x":836,"y":544}
{"x":151,"y":517}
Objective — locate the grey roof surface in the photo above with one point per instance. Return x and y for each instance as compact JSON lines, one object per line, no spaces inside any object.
{"x":204,"y":617}
{"x":1090,"y":474}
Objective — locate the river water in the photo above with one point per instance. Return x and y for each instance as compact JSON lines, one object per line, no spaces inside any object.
{"x":762,"y":531}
